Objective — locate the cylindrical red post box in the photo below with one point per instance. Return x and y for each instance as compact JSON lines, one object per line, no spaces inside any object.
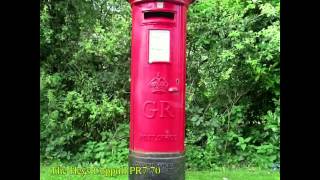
{"x":157,"y":99}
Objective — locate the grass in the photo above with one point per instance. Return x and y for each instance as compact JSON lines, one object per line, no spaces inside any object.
{"x":237,"y":174}
{"x":46,"y":173}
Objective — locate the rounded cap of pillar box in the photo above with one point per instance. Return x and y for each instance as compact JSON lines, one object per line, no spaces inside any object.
{"x":185,"y":2}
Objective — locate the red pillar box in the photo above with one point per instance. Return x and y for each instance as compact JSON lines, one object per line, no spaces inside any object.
{"x":157,"y":102}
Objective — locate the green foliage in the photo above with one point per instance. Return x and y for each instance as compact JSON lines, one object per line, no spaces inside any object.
{"x":233,"y":71}
{"x":110,"y":150}
{"x":233,"y":82}
{"x":84,"y":80}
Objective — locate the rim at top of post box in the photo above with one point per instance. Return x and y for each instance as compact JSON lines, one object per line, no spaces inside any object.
{"x":185,"y":2}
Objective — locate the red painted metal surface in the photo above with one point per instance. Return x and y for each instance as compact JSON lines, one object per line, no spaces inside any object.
{"x":157,"y":101}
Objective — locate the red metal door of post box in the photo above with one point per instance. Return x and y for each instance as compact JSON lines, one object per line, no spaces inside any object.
{"x":157,"y":99}
{"x":158,"y":78}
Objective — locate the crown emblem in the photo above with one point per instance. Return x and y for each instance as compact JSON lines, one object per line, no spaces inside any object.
{"x":158,"y":84}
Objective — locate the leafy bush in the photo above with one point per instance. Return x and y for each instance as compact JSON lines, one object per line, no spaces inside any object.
{"x":233,"y":83}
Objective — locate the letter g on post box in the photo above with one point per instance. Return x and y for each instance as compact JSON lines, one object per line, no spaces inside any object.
{"x":158,"y":77}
